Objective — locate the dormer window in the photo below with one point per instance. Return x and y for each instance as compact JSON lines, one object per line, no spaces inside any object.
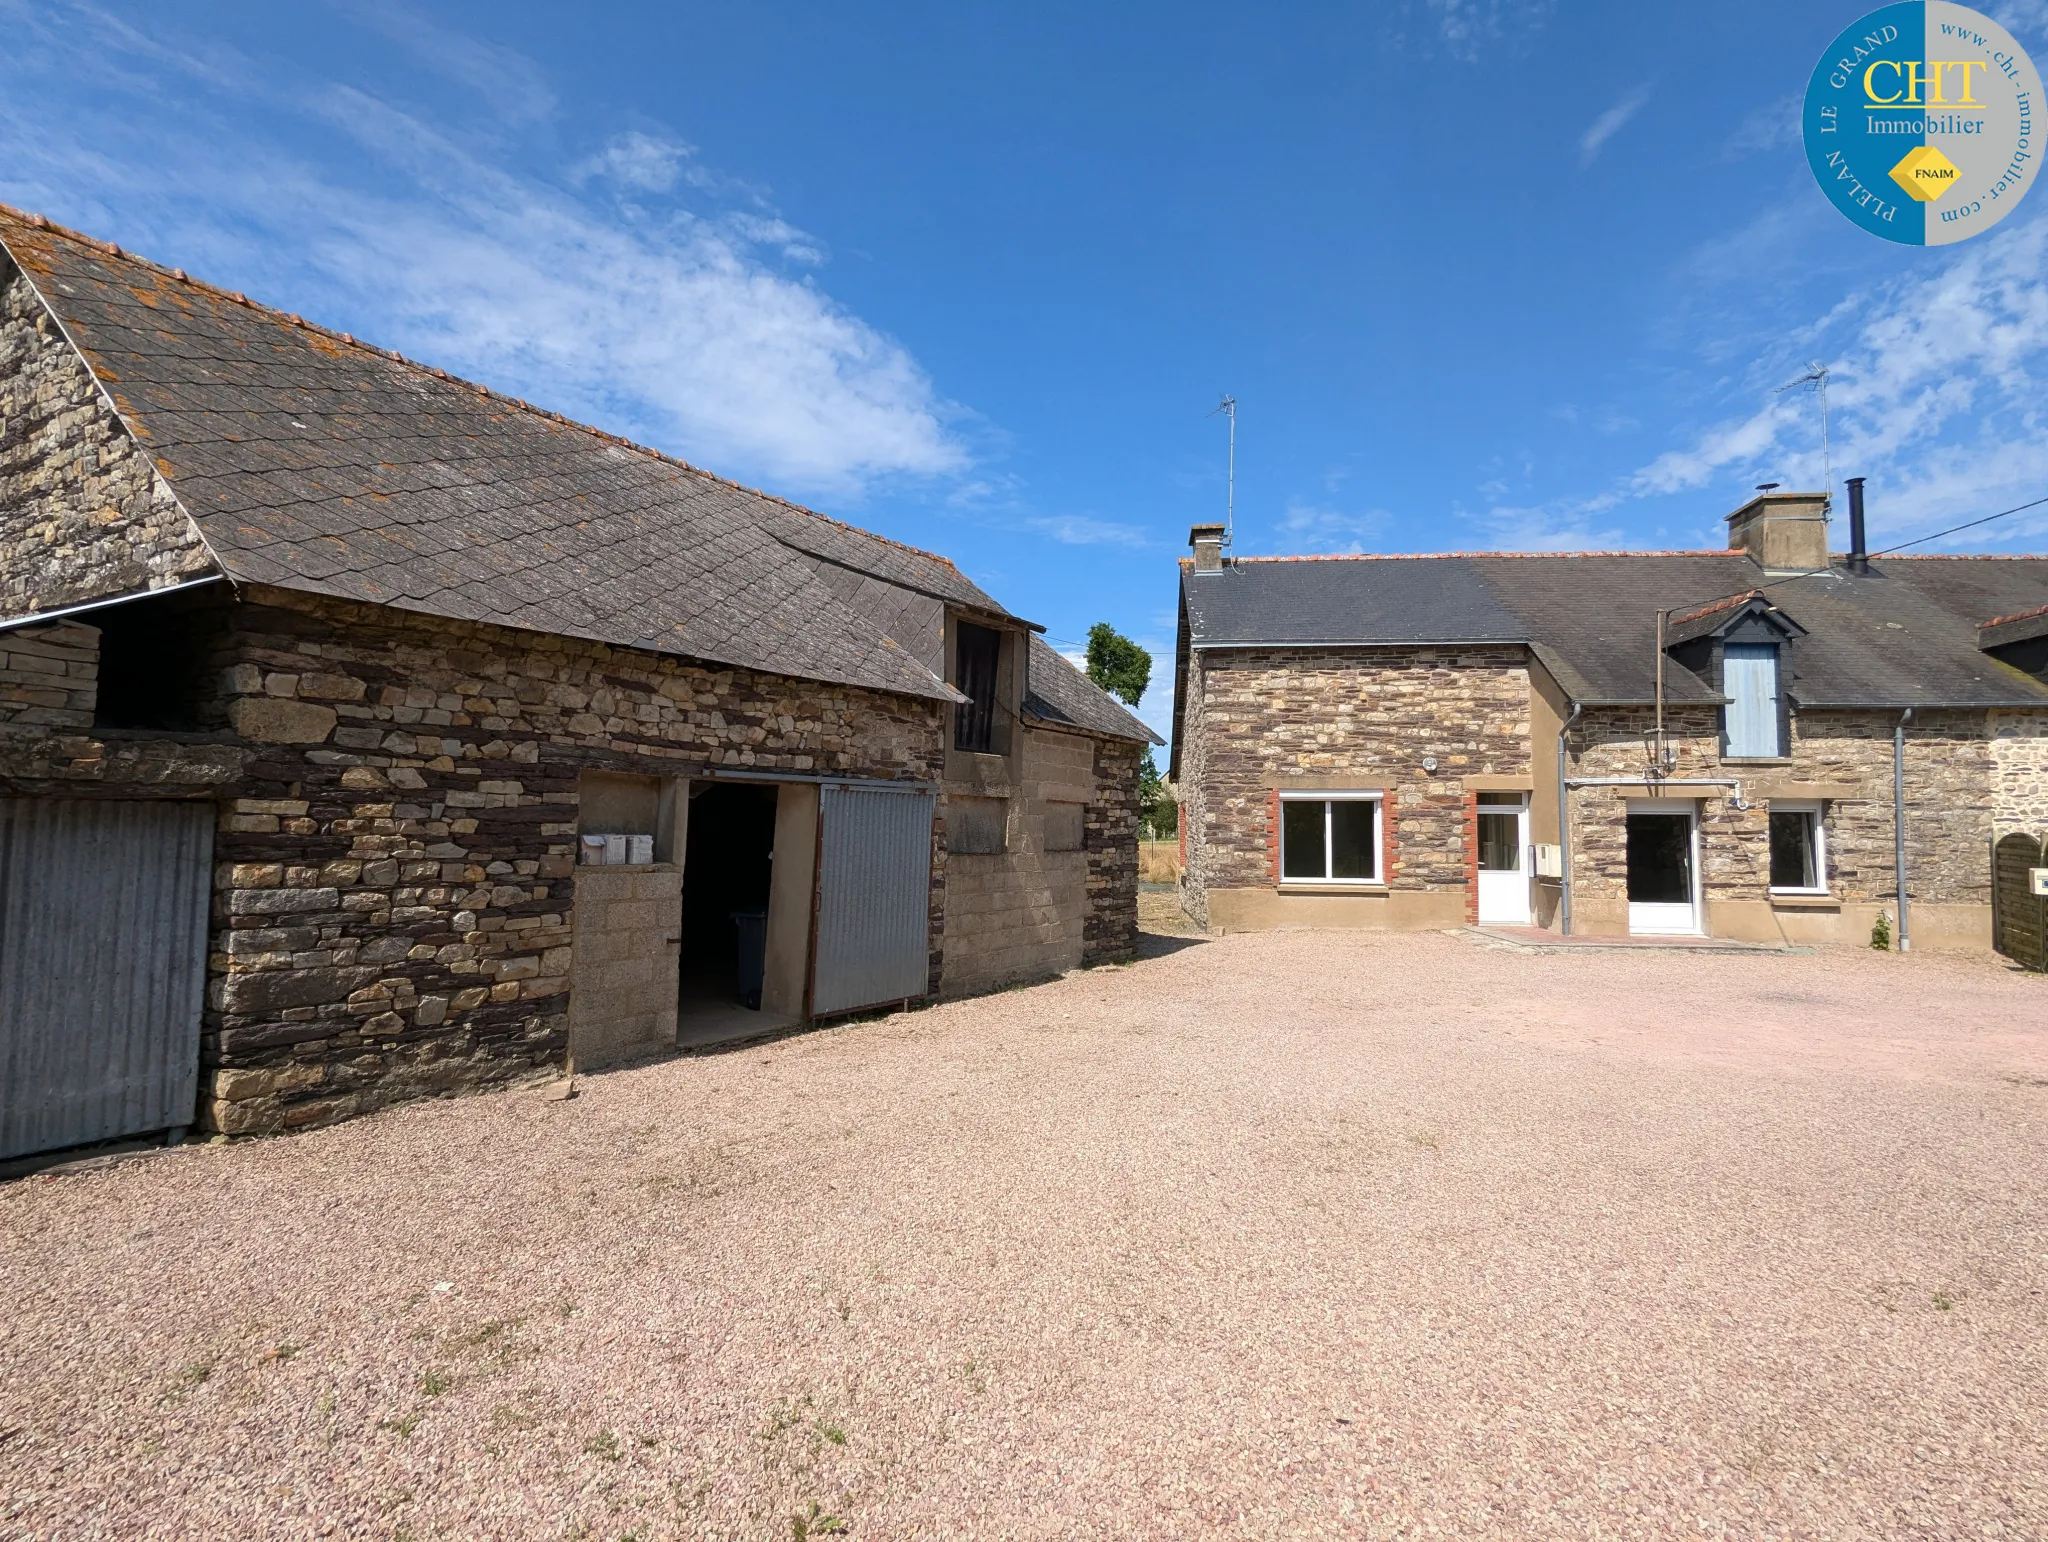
{"x":1749,"y":679}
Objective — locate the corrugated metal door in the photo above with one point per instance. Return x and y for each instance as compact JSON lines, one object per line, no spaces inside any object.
{"x":103,"y":914}
{"x":874,"y":898}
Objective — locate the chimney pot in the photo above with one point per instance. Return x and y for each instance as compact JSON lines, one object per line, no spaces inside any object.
{"x":1859,"y":551}
{"x":1207,"y":541}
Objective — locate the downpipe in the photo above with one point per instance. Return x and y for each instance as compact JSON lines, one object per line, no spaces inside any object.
{"x":1564,"y":826}
{"x":1899,"y":823}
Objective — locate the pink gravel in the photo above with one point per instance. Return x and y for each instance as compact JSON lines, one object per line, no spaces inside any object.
{"x":1301,"y":1234}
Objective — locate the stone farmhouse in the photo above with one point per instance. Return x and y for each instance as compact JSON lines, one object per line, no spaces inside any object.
{"x":366,"y":734}
{"x":1507,"y":739}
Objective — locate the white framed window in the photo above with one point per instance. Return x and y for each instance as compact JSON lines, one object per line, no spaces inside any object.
{"x":1330,"y":837}
{"x":1799,"y":849}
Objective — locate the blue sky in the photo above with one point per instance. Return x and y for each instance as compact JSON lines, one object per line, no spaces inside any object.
{"x":1481,"y":273}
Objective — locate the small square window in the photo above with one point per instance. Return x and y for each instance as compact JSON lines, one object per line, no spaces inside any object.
{"x":1333,"y":839}
{"x":1799,"y":852}
{"x":1066,"y":826}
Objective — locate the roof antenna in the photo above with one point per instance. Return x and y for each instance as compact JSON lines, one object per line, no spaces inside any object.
{"x":1817,"y":376}
{"x":1228,"y":407}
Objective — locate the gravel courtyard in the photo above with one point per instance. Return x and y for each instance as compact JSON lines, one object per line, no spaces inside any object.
{"x":1292,"y":1235}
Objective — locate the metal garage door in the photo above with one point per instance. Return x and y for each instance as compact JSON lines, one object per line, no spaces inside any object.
{"x":874,"y":898}
{"x":103,"y":911}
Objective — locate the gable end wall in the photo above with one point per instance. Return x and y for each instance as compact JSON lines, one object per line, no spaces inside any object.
{"x":84,"y":515}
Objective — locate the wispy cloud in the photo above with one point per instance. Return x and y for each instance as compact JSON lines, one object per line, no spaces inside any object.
{"x":1935,"y":392}
{"x":1773,"y":126}
{"x":643,"y":163}
{"x":1610,"y":123}
{"x":1082,"y":530}
{"x":1544,"y":528}
{"x":511,"y":85}
{"x":1467,"y":28}
{"x":674,"y":321}
{"x":1308,"y":526}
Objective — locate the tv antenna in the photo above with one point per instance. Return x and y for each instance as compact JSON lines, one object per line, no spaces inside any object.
{"x":1817,"y":376}
{"x":1228,"y":407}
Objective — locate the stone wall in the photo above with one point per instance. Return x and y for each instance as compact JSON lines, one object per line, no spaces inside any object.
{"x":49,"y":675}
{"x":1257,"y":720}
{"x":1949,"y":800}
{"x":398,"y":794}
{"x":1109,"y":934}
{"x":83,"y":513}
{"x":2019,"y":773}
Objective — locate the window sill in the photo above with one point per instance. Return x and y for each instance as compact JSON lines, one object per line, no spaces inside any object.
{"x":1793,"y":899}
{"x":1756,"y":760}
{"x":1306,"y":886}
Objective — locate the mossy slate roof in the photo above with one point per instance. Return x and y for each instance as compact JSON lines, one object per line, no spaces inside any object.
{"x":314,"y":462}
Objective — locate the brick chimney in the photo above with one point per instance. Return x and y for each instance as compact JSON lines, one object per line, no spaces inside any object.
{"x":1782,"y":532}
{"x":1207,"y":540}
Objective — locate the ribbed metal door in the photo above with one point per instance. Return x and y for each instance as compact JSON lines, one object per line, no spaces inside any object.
{"x":103,"y":915}
{"x":874,"y":898}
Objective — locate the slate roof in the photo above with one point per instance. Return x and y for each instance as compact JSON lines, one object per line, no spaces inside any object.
{"x":1062,"y":695}
{"x":316,"y":463}
{"x":1903,"y":634}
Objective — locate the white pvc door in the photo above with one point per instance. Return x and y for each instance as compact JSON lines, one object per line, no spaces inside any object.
{"x":1503,"y":859}
{"x":1663,"y":869}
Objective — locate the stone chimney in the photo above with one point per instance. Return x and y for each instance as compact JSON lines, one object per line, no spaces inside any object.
{"x":1782,"y":532}
{"x":1207,"y":540}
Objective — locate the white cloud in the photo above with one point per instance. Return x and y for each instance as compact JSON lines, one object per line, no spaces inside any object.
{"x":674,"y":324}
{"x":1935,"y":395}
{"x":1773,"y":126}
{"x":511,"y":85}
{"x":1568,"y":528}
{"x":1317,"y":527}
{"x":1082,"y":530}
{"x":1610,"y":123}
{"x":1467,"y":27}
{"x":642,"y":163}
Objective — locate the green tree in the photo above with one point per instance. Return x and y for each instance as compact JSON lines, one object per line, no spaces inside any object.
{"x":1124,"y":669}
{"x":1117,"y":664}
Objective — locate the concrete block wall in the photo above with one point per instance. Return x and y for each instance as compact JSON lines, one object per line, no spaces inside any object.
{"x":1022,"y":914}
{"x":622,"y":978}
{"x":49,"y":675}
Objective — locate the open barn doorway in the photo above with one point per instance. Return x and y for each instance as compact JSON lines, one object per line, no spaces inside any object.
{"x":750,"y":853}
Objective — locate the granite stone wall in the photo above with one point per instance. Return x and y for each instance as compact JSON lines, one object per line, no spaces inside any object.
{"x":1952,"y":780}
{"x":398,"y":800}
{"x":1255,"y":720}
{"x":1109,"y":931}
{"x":83,"y":512}
{"x":49,"y":675}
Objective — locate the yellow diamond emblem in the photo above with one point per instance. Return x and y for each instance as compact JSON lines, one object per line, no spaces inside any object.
{"x":1925,"y":173}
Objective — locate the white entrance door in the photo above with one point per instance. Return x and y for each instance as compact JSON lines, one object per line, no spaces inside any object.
{"x":1504,"y":859}
{"x":1663,"y":868}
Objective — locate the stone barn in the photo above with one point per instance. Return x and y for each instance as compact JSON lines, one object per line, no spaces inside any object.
{"x":366,"y":734}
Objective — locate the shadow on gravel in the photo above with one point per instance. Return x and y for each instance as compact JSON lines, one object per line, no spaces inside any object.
{"x":1155,"y":945}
